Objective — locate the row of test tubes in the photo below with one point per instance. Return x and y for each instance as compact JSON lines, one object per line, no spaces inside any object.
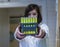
{"x":29,"y":25}
{"x":29,"y":32}
{"x":28,"y":20}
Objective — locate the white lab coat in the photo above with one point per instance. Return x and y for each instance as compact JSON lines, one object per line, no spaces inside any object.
{"x":31,"y":41}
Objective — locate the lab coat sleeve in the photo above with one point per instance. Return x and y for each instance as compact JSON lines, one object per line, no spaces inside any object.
{"x":17,"y":30}
{"x":46,"y":29}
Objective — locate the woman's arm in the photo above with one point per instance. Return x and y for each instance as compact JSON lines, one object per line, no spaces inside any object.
{"x":43,"y":32}
{"x":18,"y":35}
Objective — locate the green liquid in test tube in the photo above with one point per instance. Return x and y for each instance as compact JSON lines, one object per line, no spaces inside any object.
{"x":36,"y":20}
{"x":26,"y":19}
{"x":29,"y":20}
{"x":23,"y":20}
{"x":33,"y":20}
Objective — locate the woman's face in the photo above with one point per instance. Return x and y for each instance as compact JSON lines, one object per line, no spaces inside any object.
{"x":32,"y":13}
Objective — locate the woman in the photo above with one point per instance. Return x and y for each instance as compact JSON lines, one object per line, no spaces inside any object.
{"x":38,"y":40}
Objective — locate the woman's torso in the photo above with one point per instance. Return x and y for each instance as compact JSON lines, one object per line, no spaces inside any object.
{"x":31,"y":41}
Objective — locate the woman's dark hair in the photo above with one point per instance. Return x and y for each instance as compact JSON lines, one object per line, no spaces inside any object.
{"x":31,"y":7}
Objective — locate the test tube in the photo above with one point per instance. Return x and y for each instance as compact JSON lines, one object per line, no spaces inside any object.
{"x":36,"y":20}
{"x":28,"y":32}
{"x":31,"y":32}
{"x":32,"y":20}
{"x":21,"y":20}
{"x":26,"y":20}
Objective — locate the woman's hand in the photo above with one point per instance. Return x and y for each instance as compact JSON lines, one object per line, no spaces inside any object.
{"x":19,"y":35}
{"x":41,"y":33}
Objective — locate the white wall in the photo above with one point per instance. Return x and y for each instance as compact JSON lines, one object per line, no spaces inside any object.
{"x":52,"y":19}
{"x":3,"y":0}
